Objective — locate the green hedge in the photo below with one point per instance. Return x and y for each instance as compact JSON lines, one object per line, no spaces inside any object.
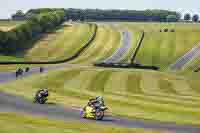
{"x":17,"y":38}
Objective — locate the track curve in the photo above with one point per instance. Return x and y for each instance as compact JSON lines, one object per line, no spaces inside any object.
{"x":121,"y":52}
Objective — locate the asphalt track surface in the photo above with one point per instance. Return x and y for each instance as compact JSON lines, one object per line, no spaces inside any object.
{"x":123,"y":50}
{"x":181,"y":62}
{"x":16,"y":104}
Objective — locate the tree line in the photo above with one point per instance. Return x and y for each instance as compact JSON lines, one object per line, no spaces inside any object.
{"x":107,"y":15}
{"x":122,"y":15}
{"x":112,"y":15}
{"x":17,"y":39}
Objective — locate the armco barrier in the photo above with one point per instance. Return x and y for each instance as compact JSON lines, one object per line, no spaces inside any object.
{"x":58,"y":61}
{"x":124,"y":65}
{"x":137,"y":48}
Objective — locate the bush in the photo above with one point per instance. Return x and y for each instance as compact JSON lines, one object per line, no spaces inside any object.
{"x":172,"y":30}
{"x":14,"y":40}
{"x":166,"y":30}
{"x":172,"y":18}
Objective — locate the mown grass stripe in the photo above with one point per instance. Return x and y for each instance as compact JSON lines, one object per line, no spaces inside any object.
{"x":117,"y":82}
{"x":56,"y":79}
{"x":99,"y":81}
{"x":133,"y":83}
{"x":155,"y":106}
{"x":81,"y":81}
{"x":149,"y":83}
{"x":96,"y":46}
{"x":182,"y":87}
{"x":157,"y":99}
{"x":166,"y":86}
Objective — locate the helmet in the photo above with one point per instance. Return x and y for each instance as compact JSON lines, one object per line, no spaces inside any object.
{"x":99,"y":98}
{"x":45,"y":90}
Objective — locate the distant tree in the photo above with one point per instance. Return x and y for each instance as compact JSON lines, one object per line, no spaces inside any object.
{"x":19,"y":15}
{"x":10,"y":46}
{"x":195,"y":18}
{"x":187,"y":17}
{"x":172,"y":18}
{"x":3,"y":37}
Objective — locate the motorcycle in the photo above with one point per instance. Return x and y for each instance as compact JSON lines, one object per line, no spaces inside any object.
{"x":89,"y":112}
{"x":41,"y":99}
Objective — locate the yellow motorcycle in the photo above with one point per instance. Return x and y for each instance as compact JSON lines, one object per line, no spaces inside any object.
{"x":93,"y":113}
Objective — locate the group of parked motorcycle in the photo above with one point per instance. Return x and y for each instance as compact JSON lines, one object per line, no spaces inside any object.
{"x":94,"y":109}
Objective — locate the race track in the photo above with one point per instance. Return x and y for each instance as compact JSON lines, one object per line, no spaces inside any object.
{"x":123,"y":50}
{"x":181,"y":62}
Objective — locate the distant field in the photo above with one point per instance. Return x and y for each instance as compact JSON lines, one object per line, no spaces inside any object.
{"x":129,"y":93}
{"x":8,"y":25}
{"x":164,"y":48}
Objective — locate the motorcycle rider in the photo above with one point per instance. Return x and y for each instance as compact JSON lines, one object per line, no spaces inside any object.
{"x":41,"y":69}
{"x":42,"y":93}
{"x":97,"y":102}
{"x":95,"y":109}
{"x":27,"y":69}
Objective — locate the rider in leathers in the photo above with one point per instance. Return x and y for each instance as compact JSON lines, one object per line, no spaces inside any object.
{"x":97,"y":102}
{"x":42,"y":93}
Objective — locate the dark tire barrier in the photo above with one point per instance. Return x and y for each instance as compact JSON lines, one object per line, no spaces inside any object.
{"x":124,"y":65}
{"x":58,"y":61}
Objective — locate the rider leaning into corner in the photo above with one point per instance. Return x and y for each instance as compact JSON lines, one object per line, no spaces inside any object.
{"x":42,"y":93}
{"x":96,"y":102}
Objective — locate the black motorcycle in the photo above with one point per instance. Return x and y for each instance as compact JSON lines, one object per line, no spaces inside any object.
{"x":41,"y":98}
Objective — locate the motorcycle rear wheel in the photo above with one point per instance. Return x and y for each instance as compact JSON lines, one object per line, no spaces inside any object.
{"x":99,"y":115}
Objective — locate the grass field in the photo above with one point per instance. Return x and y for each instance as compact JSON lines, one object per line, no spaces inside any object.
{"x":148,"y":95}
{"x":130,"y":93}
{"x":108,"y":40}
{"x":21,"y":123}
{"x":164,"y":48}
{"x":8,"y":25}
{"x":61,"y":44}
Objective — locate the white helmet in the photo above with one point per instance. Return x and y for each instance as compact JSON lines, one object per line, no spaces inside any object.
{"x":99,"y":98}
{"x":45,"y":90}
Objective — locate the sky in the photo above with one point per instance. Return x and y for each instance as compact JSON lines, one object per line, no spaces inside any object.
{"x":8,"y":7}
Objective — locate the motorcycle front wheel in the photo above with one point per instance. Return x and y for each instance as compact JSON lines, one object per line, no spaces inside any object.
{"x":82,"y":114}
